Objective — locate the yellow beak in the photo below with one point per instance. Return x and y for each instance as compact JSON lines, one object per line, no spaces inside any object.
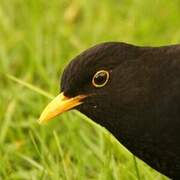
{"x":59,"y":105}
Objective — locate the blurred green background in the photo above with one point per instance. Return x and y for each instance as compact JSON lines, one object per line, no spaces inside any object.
{"x":37,"y":39}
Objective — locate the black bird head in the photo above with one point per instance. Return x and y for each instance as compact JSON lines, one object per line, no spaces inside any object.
{"x":92,"y":81}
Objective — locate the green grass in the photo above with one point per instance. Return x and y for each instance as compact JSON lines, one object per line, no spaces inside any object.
{"x":37,"y":39}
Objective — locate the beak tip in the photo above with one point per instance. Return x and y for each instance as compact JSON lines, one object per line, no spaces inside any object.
{"x":42,"y":120}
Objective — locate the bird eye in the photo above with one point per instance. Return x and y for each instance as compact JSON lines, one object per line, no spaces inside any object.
{"x":100,"y":78}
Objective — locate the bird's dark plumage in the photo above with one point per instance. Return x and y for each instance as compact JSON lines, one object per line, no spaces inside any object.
{"x":139,"y":105}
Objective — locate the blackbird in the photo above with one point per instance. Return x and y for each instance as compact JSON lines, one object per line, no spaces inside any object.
{"x":132,"y":91}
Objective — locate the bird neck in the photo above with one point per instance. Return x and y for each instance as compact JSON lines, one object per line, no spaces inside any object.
{"x":132,"y":132}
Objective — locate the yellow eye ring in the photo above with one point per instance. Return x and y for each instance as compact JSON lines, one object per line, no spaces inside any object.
{"x":100,"y":78}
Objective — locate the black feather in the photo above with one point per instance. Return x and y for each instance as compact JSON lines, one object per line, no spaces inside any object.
{"x":140,"y":105}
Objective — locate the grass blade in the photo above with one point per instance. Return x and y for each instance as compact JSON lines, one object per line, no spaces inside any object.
{"x":30,"y":86}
